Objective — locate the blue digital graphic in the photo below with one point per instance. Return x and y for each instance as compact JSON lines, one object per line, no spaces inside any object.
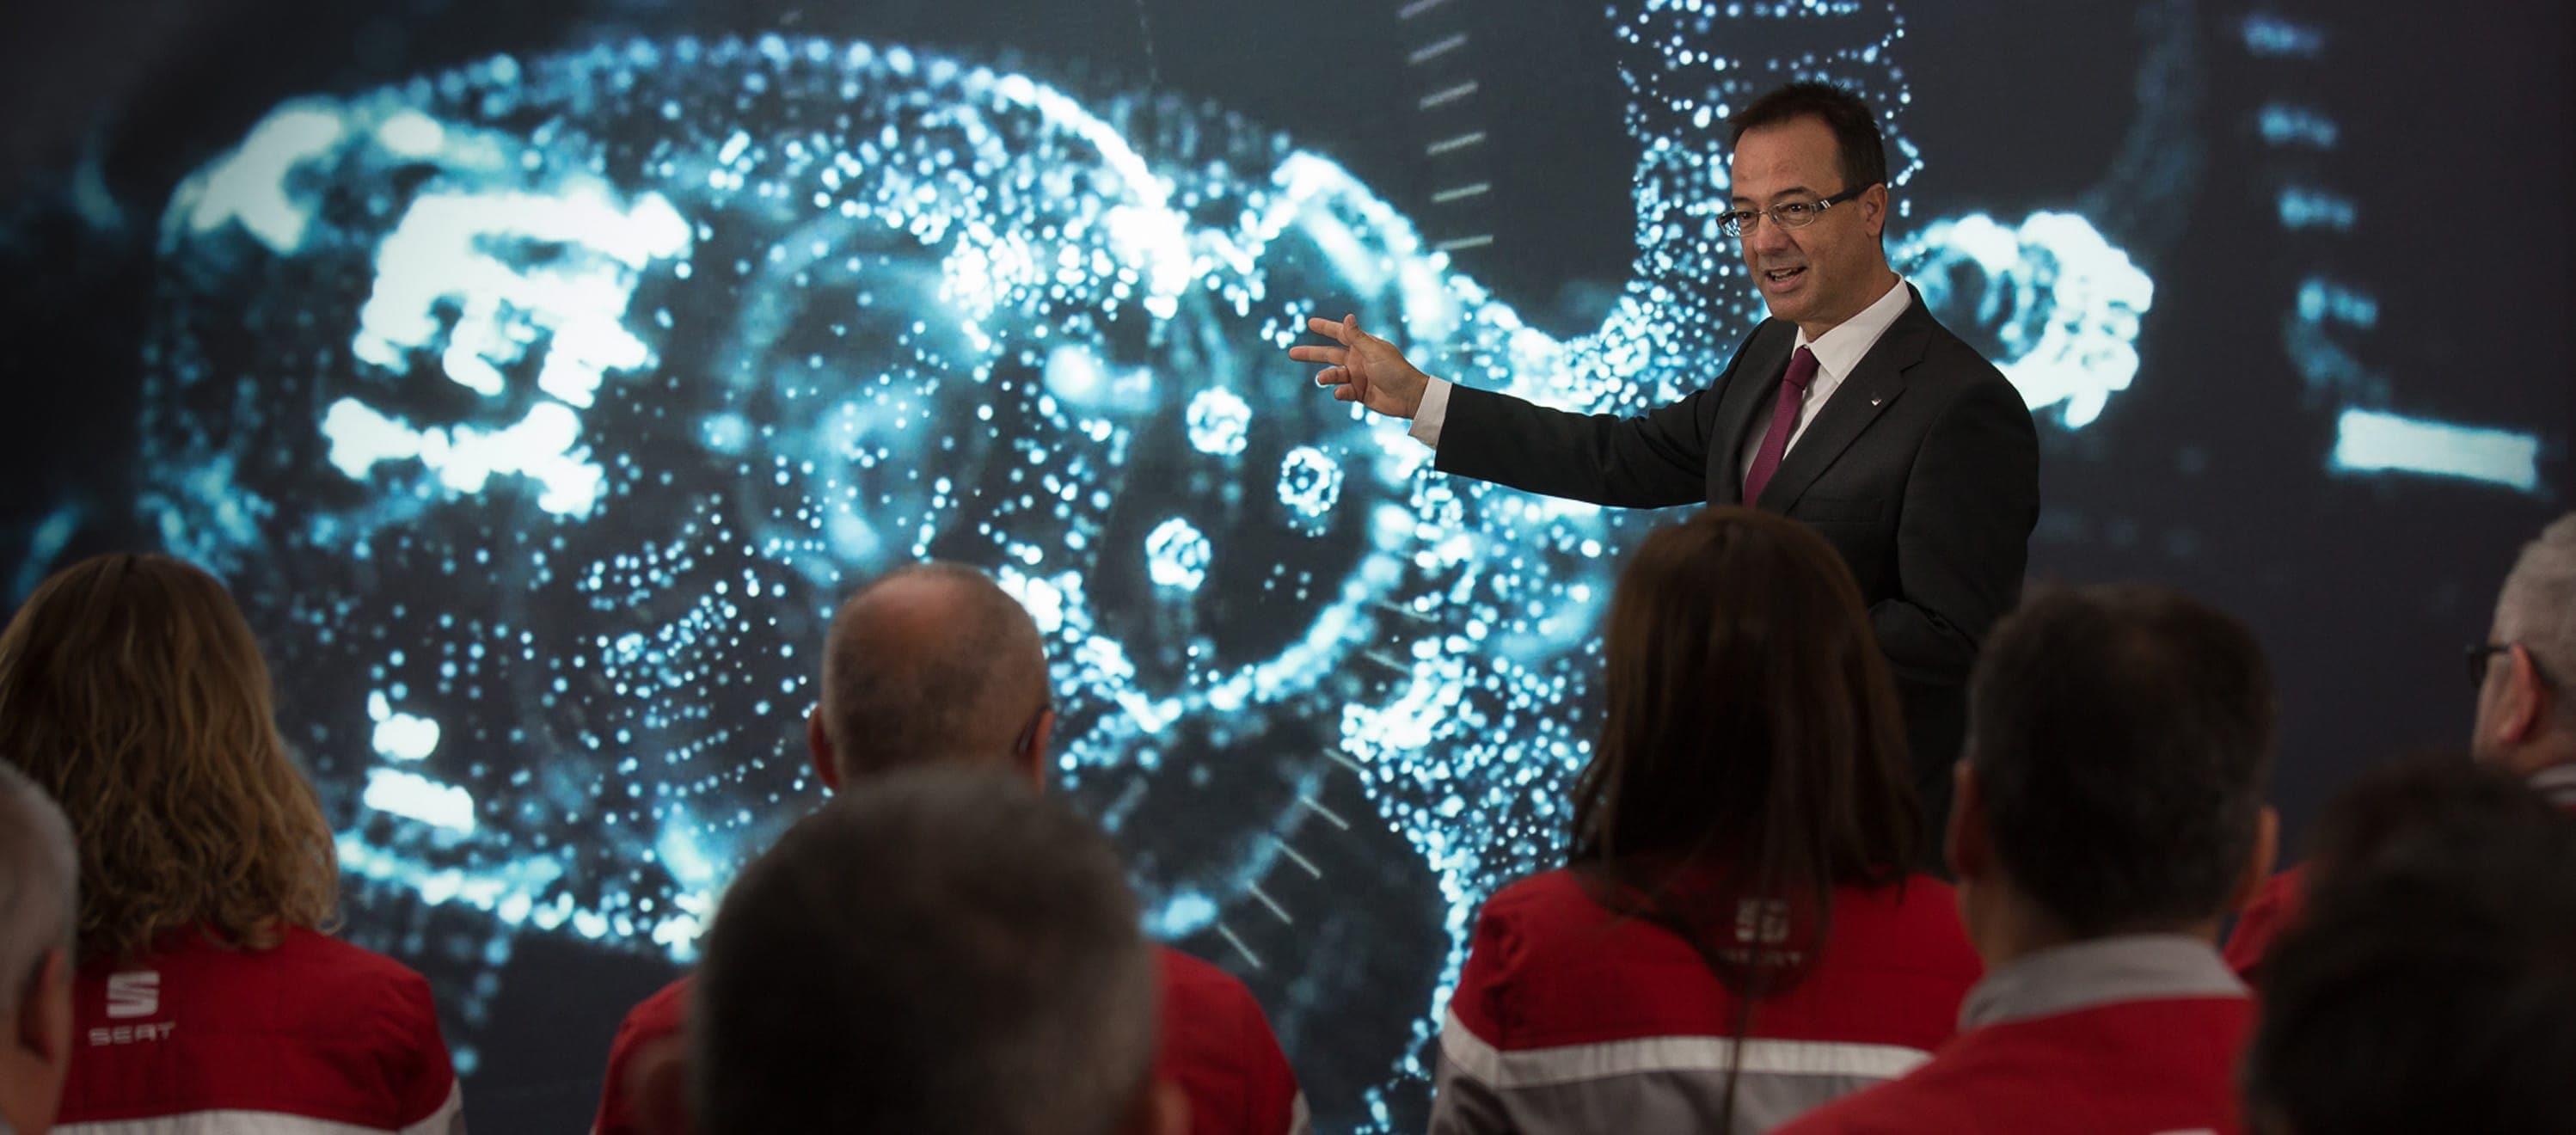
{"x":541,"y":410}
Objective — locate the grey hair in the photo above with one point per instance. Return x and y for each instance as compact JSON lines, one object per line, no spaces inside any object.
{"x":943,"y":951}
{"x":896,"y":692}
{"x":2537,"y":608}
{"x":39,"y":882}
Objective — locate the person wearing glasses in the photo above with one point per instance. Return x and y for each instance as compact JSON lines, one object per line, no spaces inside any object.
{"x":1851,"y":409}
{"x":2525,"y":723}
{"x":934,"y":664}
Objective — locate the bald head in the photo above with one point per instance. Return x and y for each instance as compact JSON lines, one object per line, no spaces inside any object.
{"x":931,"y":662}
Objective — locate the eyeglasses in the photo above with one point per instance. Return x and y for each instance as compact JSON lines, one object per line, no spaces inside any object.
{"x":2480,"y":652}
{"x":1787,"y":214}
{"x":2479,"y":655}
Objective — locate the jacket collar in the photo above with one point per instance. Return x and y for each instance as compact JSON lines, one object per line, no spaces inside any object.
{"x":1870,"y":389}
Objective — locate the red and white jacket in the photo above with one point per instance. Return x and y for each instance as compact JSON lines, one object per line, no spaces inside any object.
{"x":2135,"y":1035}
{"x":311,"y":1037}
{"x":2276,"y":905}
{"x":1569,"y":1018}
{"x":1216,"y":1045}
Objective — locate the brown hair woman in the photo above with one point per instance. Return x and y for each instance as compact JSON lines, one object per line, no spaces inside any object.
{"x":1736,"y":936}
{"x":131,"y":689}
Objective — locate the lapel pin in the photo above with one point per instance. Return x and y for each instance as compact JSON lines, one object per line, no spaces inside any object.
{"x":1876,"y":401}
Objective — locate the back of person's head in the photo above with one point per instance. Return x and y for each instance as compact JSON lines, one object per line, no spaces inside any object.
{"x":941,"y":950}
{"x":2119,"y":739}
{"x":39,"y":891}
{"x":1751,"y":723}
{"x":931,"y":662}
{"x":1857,"y":141}
{"x":2526,"y":716}
{"x":2430,"y":984}
{"x":132,"y":690}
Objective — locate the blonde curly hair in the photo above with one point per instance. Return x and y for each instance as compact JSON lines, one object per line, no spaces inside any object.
{"x":132,"y":690}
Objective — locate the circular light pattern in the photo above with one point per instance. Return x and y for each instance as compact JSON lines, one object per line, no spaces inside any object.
{"x":1177,"y":555}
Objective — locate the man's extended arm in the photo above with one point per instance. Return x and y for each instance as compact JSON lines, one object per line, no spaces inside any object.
{"x":1657,"y":459}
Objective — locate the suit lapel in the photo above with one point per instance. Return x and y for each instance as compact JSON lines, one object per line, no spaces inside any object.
{"x":1738,"y":405}
{"x":1869,"y":390}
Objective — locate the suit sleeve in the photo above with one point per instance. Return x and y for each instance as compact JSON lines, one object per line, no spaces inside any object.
{"x":1658,"y":459}
{"x":1963,"y":537}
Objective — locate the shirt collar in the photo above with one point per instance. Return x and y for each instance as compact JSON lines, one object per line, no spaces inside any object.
{"x":2102,"y":971}
{"x":2557,"y":784}
{"x":1841,"y":349}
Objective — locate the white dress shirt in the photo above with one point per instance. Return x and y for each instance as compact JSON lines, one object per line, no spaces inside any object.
{"x":1837,"y":352}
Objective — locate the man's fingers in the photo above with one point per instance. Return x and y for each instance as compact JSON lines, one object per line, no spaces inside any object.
{"x":1329,"y":356}
{"x":1332,"y":376}
{"x":1323,"y":326}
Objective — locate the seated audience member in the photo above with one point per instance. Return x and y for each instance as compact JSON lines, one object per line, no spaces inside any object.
{"x":1735,"y":937}
{"x":943,"y":951}
{"x":2109,"y":813}
{"x":934,"y":664}
{"x":38,"y":895}
{"x":2431,"y":983}
{"x":2525,"y":720}
{"x":206,"y":997}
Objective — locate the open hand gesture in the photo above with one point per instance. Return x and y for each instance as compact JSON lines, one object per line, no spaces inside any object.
{"x":1363,"y":368}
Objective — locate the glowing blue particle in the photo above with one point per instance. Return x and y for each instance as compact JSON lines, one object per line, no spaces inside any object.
{"x":420,"y":798}
{"x":249,"y":185}
{"x":2274,"y":36}
{"x":1219,"y":421}
{"x":2283,"y":125}
{"x":2316,"y":209}
{"x":2320,"y":301}
{"x":1177,"y":555}
{"x":1310,"y":484}
{"x":1181,"y":915}
{"x":2367,"y":441}
{"x":726,"y":433}
{"x":401,"y":736}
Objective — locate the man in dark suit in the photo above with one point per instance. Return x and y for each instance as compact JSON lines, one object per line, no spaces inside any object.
{"x":1851,"y":409}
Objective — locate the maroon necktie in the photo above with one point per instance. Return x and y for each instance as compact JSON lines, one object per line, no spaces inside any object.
{"x":1784,"y":420}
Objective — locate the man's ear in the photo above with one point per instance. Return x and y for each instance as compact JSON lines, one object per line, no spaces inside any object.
{"x":44,"y":1025}
{"x":2258,"y":865}
{"x":1873,"y":201}
{"x":1033,"y":762}
{"x":1964,"y":843}
{"x":2525,"y":712}
{"x":818,"y":746}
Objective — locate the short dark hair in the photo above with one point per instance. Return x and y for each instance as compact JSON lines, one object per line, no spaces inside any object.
{"x":1856,"y":137}
{"x":910,"y":685}
{"x":942,"y":950}
{"x":2430,"y":984}
{"x":2121,"y":737}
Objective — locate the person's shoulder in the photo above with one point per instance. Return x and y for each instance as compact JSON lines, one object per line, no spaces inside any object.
{"x":1538,"y":905}
{"x":1188,"y":976}
{"x":664,"y":1013}
{"x":355,"y":984}
{"x":327,"y":962}
{"x":1545,"y":890}
{"x":2266,"y":916}
{"x":1916,"y":1103}
{"x":1947,"y":359}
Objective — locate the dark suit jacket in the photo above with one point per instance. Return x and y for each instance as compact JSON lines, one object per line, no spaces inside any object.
{"x":1922,"y":470}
